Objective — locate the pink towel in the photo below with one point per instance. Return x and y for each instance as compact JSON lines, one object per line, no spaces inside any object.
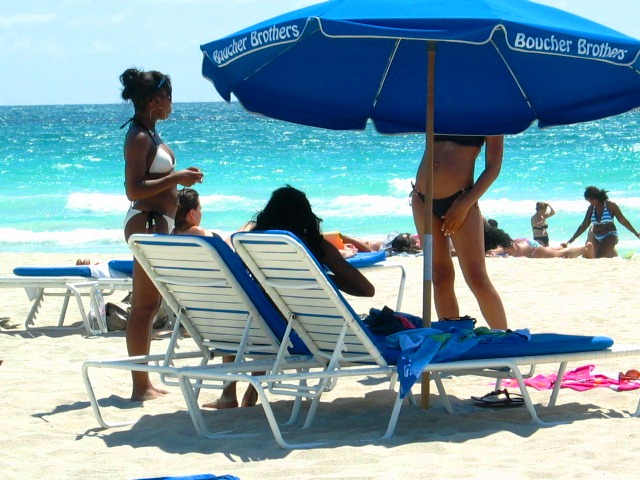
{"x":580,"y":379}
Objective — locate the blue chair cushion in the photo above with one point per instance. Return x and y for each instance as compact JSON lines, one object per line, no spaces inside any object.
{"x":71,"y":271}
{"x":538,"y":344}
{"x":366,"y":259}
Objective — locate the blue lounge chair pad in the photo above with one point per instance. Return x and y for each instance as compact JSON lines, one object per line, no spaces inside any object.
{"x":366,"y":259}
{"x":112,"y":269}
{"x":122,"y":266}
{"x":539,"y":344}
{"x":71,"y":271}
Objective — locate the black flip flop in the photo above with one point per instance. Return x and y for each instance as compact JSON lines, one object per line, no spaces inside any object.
{"x":500,"y":398}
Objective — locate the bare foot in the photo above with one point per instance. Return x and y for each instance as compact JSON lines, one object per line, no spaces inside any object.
{"x":588,"y":252}
{"x":222,"y":403}
{"x":150,"y":394}
{"x":250,"y":397}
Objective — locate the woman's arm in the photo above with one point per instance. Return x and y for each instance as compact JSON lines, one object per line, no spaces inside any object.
{"x":550,"y":212}
{"x":613,"y":208}
{"x":346,"y":277}
{"x":583,"y":226}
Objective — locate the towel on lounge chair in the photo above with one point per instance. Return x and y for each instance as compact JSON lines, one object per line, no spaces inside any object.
{"x":421,"y":346}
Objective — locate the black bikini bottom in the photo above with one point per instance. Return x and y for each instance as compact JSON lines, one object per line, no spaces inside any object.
{"x":440,"y":206}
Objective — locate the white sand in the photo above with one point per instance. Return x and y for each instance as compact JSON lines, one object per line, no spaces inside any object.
{"x":47,"y":429}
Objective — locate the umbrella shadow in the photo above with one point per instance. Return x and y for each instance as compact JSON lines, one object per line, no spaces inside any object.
{"x":249,"y":437}
{"x":111,"y":401}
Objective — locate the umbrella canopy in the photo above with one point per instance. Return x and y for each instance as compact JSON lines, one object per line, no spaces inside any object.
{"x":465,"y":67}
{"x":501,"y":65}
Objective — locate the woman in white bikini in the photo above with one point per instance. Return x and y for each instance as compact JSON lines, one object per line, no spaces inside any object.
{"x":600,"y":216}
{"x":456,"y":216}
{"x":151,"y":185}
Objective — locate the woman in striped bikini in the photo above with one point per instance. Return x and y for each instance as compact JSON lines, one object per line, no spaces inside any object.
{"x":600,"y":215}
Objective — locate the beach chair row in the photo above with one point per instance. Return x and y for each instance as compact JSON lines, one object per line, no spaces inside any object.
{"x":71,"y":282}
{"x":292,"y":333}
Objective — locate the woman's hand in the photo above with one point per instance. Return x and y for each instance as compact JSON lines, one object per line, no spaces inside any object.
{"x":456,"y":215}
{"x":189,"y":176}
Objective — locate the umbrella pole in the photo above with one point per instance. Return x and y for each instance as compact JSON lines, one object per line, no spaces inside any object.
{"x":427,"y":188}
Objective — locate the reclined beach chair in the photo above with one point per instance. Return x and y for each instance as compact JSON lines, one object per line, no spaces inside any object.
{"x":66,"y":282}
{"x":331,"y":330}
{"x":208,"y":288}
{"x":317,"y":312}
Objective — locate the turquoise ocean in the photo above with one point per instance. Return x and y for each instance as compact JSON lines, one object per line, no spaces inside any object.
{"x":61,"y":173}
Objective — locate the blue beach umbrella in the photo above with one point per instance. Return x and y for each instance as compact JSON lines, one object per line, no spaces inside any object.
{"x":466,"y":67}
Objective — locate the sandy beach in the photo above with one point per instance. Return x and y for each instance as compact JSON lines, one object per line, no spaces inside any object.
{"x":48,"y":429}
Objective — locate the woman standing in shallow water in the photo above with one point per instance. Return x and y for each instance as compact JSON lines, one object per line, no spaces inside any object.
{"x":151,"y":185}
{"x":456,"y":216}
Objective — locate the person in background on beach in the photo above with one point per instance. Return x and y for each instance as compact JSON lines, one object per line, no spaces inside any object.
{"x":289,"y":209}
{"x":151,"y":185}
{"x":539,"y":222}
{"x":601,"y":214}
{"x":456,"y":216}
{"x":349,"y":246}
{"x":189,"y":214}
{"x":498,"y":243}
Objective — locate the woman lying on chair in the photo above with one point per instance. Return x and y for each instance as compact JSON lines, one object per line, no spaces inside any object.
{"x":289,"y":209}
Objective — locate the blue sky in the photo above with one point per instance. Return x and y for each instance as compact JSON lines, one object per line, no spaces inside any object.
{"x":73,"y":51}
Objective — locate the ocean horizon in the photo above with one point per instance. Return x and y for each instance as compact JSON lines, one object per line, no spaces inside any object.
{"x":62,"y":174}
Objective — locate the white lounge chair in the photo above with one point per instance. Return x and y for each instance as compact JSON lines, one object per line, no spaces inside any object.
{"x":67,"y":282}
{"x":331,"y":330}
{"x":208,"y":288}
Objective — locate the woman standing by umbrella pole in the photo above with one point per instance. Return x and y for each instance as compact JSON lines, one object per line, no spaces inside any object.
{"x":456,"y":216}
{"x":151,"y":185}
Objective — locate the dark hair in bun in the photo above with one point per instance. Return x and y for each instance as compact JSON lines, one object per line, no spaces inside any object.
{"x":140,"y":87}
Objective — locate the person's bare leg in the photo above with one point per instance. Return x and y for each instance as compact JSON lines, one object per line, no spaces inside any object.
{"x":444,"y":276}
{"x":145,"y":301}
{"x":589,"y":251}
{"x":607,"y":247}
{"x":228,"y":398}
{"x":444,"y":296}
{"x":469,"y":245}
{"x":250,"y":397}
{"x":361,"y":245}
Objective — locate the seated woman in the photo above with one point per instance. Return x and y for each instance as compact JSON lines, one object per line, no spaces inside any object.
{"x":288,"y":209}
{"x":189,"y":214}
{"x":497,"y":242}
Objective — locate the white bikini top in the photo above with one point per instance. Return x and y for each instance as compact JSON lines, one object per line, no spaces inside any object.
{"x":162,"y":163}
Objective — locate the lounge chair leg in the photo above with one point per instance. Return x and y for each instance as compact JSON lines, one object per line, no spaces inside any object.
{"x":395,"y":413}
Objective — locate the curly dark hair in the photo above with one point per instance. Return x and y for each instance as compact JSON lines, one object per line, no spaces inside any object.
{"x":289,"y":209}
{"x":496,"y":237}
{"x":595,"y":193}
{"x":140,"y":87}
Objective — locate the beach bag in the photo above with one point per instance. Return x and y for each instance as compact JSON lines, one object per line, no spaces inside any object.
{"x":117,"y":316}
